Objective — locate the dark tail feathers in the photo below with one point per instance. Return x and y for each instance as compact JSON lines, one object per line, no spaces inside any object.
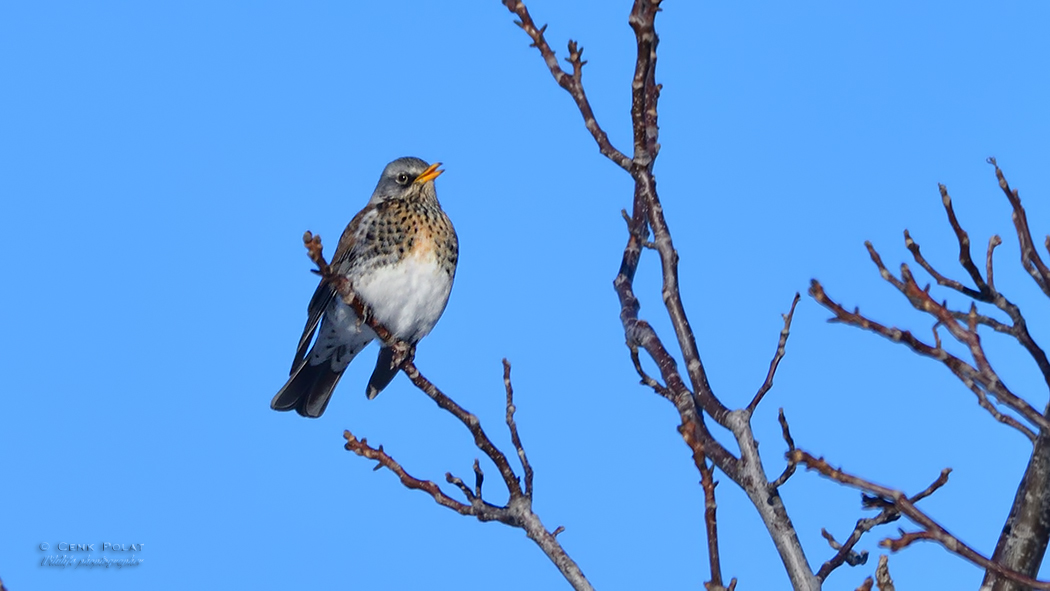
{"x":308,"y":390}
{"x":382,"y":374}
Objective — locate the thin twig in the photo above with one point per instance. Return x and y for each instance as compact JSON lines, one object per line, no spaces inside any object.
{"x":515,"y":439}
{"x":971,"y":376}
{"x":941,"y":279}
{"x":781,"y":349}
{"x":695,"y":433}
{"x":789,"y":470}
{"x":849,"y":555}
{"x":648,"y":380}
{"x":518,"y":510}
{"x":1019,"y":330}
{"x":342,"y":286}
{"x":888,"y":514}
{"x":934,"y":531}
{"x":964,"y":242}
{"x":711,"y":523}
{"x":455,"y":481}
{"x":1030,"y":259}
{"x":571,"y":83}
{"x":481,"y":439}
{"x":994,"y":241}
{"x":479,"y":477}
{"x":361,"y":448}
{"x":1026,"y":533}
{"x":647,"y":213}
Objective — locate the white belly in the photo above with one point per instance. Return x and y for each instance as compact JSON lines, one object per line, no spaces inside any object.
{"x":408,"y":297}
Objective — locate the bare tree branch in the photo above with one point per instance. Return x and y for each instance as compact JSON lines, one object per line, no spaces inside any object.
{"x":645,"y":94}
{"x":515,"y":439}
{"x":992,"y":243}
{"x":846,"y":554}
{"x":711,"y":523}
{"x":647,"y":214}
{"x":781,"y":348}
{"x":980,"y":380}
{"x":888,"y":514}
{"x":964,"y":242}
{"x":932,"y":530}
{"x":789,"y":470}
{"x":1030,"y":258}
{"x":941,"y":279}
{"x":518,"y":510}
{"x":483,"y":511}
{"x":573,"y":83}
{"x":471,"y":422}
{"x":1026,"y":533}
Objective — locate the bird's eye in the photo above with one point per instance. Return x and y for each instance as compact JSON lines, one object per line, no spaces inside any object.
{"x":402,"y":179}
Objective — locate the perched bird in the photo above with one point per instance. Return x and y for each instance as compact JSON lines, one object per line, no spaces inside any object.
{"x":399,"y":254}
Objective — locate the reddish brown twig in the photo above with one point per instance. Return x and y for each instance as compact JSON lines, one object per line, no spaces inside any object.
{"x":932,"y":530}
{"x":1030,"y":259}
{"x":518,"y":510}
{"x":646,"y":209}
{"x":639,"y":333}
{"x":708,"y":483}
{"x":993,"y":242}
{"x":986,"y":291}
{"x":572,"y":83}
{"x":1026,"y":533}
{"x":342,"y":286}
{"x":981,"y":379}
{"x":964,"y":243}
{"x":471,"y":422}
{"x":849,"y":556}
{"x":520,"y":504}
{"x":941,"y":279}
{"x":361,"y":448}
{"x":888,"y":514}
{"x":789,"y":470}
{"x":647,"y":213}
{"x":781,"y":349}
{"x":345,"y":290}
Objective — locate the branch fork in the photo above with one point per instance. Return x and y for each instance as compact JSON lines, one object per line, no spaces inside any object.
{"x":518,"y":510}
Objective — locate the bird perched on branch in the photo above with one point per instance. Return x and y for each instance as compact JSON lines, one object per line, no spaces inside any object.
{"x":399,"y":254}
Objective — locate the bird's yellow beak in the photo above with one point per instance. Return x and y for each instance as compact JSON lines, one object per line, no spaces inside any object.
{"x":430,"y":173}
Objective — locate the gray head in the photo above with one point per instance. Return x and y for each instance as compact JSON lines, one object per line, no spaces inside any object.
{"x":407,"y":178}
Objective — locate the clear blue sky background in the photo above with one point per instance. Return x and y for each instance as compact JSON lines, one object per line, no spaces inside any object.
{"x":159,"y":162}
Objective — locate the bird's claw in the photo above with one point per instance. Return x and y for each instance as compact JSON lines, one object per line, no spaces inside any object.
{"x":403,"y":352}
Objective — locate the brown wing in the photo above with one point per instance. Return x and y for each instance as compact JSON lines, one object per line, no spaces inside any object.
{"x":324,"y":293}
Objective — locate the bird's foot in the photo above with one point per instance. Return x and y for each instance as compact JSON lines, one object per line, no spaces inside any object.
{"x":403,"y":352}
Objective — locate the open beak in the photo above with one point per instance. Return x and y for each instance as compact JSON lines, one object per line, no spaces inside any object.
{"x":430,"y":173}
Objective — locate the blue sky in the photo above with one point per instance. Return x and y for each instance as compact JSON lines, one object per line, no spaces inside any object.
{"x":160,"y":161}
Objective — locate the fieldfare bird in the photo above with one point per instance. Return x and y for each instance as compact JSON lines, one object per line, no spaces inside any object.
{"x":399,"y":254}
